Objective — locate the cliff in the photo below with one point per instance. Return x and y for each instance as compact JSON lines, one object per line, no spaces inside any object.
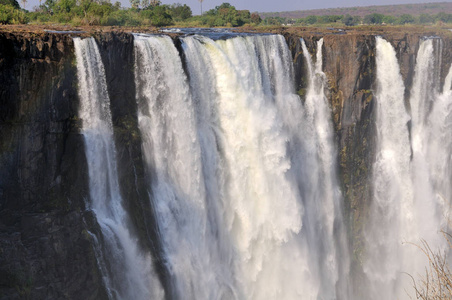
{"x":46,"y":250}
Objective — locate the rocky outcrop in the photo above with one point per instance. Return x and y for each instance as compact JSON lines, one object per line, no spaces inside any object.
{"x":45,"y":249}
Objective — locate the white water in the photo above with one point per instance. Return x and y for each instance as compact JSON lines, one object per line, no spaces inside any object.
{"x":228,"y":177}
{"x":319,"y":183}
{"x":410,"y":189}
{"x":127,"y":273}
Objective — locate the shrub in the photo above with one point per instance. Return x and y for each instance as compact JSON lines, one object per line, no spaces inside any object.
{"x":11,"y":15}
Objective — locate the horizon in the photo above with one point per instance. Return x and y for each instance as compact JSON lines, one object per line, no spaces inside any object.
{"x":269,"y":6}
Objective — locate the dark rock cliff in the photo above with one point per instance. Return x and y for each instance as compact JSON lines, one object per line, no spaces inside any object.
{"x":46,"y":251}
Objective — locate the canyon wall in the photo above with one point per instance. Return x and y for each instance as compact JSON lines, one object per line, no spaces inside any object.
{"x":46,"y":249}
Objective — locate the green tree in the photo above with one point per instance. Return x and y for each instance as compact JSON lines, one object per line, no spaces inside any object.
{"x":12,"y":3}
{"x":180,"y":12}
{"x":443,"y":17}
{"x":11,"y":15}
{"x":406,"y":19}
{"x":426,"y":19}
{"x":157,"y":15}
{"x":373,"y":18}
{"x":390,"y":19}
{"x":349,"y":20}
{"x":311,"y":20}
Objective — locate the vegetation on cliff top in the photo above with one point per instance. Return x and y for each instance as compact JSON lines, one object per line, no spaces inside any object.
{"x":142,"y":13}
{"x":153,"y":13}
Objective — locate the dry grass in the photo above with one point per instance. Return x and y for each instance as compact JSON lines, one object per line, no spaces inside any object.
{"x":436,"y":284}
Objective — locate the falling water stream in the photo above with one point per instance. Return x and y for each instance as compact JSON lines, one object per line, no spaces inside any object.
{"x":408,"y":203}
{"x":127,"y":272}
{"x":242,"y":172}
{"x":226,"y":149}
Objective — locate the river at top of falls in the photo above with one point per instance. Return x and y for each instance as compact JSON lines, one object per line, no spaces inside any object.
{"x":223,"y":145}
{"x":127,"y":273}
{"x":411,"y":164}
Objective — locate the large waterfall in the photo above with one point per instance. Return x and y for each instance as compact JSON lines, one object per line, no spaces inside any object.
{"x":242,"y":173}
{"x":410,"y":172}
{"x":245,"y":195}
{"x":127,"y":273}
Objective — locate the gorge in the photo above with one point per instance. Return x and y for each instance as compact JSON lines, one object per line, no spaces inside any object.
{"x":297,"y":165}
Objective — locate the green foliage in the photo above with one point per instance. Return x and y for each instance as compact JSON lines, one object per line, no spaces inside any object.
{"x":153,"y":13}
{"x":443,"y":17}
{"x":374,"y":19}
{"x":406,"y":19}
{"x":226,"y":15}
{"x":274,"y":21}
{"x":11,"y":15}
{"x":328,"y":19}
{"x":180,"y":12}
{"x":12,"y":3}
{"x":311,"y":20}
{"x":390,"y":20}
{"x":426,"y":19}
{"x":349,"y":20}
{"x":157,"y":16}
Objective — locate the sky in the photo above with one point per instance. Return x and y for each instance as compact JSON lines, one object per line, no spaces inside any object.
{"x":272,"y":5}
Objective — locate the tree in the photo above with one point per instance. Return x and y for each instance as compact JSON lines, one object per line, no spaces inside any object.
{"x":144,"y":3}
{"x":255,"y":18}
{"x":426,"y":19}
{"x":311,"y":20}
{"x":406,"y":19}
{"x":12,"y":3}
{"x":12,"y":15}
{"x":373,"y":18}
{"x":348,"y":20}
{"x":155,"y":2}
{"x":24,"y":3}
{"x":200,"y":1}
{"x":180,"y":12}
{"x":135,"y":3}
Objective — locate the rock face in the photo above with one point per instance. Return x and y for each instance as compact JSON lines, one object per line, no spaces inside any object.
{"x":46,"y":250}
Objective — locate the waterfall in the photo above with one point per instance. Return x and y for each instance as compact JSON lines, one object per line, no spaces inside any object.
{"x":427,"y":210}
{"x":391,"y":208}
{"x":127,"y":272}
{"x":410,"y":193}
{"x":242,"y":174}
{"x":319,"y":183}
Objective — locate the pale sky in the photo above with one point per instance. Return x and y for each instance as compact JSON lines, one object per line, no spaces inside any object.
{"x":272,"y":5}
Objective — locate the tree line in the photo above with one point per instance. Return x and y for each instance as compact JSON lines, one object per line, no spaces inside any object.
{"x":371,"y":19}
{"x":141,"y":13}
{"x":154,"y":13}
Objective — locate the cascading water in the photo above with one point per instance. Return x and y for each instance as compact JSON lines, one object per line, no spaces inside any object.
{"x":408,"y":203}
{"x":127,"y":273}
{"x":223,"y":149}
{"x":319,"y":183}
{"x":391,"y":208}
{"x":173,"y":155}
{"x":427,"y":211}
{"x":242,"y":172}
